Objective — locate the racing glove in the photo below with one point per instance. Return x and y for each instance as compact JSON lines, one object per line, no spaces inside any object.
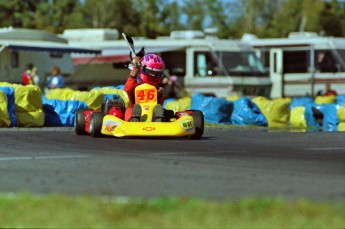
{"x":136,"y":63}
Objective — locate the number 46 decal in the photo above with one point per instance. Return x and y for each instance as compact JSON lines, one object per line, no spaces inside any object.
{"x":148,"y":95}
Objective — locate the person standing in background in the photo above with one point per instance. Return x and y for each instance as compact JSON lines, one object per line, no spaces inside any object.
{"x":55,"y":80}
{"x":330,"y":91}
{"x":26,"y":75}
{"x":34,"y":76}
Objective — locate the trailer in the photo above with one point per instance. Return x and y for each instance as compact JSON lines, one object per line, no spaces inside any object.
{"x":201,"y":63}
{"x":18,"y":47}
{"x":303,"y":64}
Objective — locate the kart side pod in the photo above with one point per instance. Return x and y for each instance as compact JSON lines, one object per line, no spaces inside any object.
{"x":120,"y":128}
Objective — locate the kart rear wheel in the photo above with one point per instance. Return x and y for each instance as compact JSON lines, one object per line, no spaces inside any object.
{"x":79,"y":121}
{"x":96,"y":124}
{"x":198,"y":117}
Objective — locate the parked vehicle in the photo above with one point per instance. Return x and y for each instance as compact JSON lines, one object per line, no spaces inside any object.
{"x":202,"y":64}
{"x":18,"y":47}
{"x":304,"y":64}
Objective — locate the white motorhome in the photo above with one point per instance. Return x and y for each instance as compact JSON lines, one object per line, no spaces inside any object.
{"x":303,"y":64}
{"x":18,"y":47}
{"x":202,"y":64}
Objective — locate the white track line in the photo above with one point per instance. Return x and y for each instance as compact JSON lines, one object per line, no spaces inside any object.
{"x":41,"y":157}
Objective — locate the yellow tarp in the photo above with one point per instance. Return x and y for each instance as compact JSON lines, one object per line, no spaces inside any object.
{"x":4,"y":117}
{"x":59,"y":93}
{"x":109,"y":90}
{"x":297,"y":118}
{"x":179,"y":105}
{"x":341,"y":126}
{"x":28,"y":105}
{"x":30,"y":119}
{"x":27,"y":98}
{"x":341,"y":113}
{"x":233,"y":98}
{"x":93,"y":99}
{"x":276,"y":112}
{"x":325,"y":99}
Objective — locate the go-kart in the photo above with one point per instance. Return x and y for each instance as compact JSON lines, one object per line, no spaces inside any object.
{"x":189,"y":123}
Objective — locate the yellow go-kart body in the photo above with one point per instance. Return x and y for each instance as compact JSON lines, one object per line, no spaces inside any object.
{"x":146,"y":96}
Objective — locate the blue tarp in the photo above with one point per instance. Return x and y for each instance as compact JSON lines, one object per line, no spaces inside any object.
{"x":301,"y":101}
{"x":247,"y":113}
{"x":9,"y":91}
{"x":323,"y":117}
{"x":120,"y":87}
{"x":60,"y":112}
{"x":310,"y":118}
{"x":216,"y":110}
{"x":340,"y":100}
{"x":330,"y":119}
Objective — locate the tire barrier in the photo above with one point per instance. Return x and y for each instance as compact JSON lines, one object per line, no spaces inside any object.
{"x":25,"y":106}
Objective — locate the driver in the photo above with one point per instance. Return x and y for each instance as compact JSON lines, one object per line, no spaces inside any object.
{"x":148,"y":69}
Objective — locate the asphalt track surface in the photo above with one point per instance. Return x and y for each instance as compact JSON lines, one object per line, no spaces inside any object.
{"x":224,"y":164}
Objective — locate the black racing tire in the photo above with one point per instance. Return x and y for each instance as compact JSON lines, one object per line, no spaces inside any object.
{"x":96,"y":122}
{"x":198,"y":117}
{"x":79,"y":121}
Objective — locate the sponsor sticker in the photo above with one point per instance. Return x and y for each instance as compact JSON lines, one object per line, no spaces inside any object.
{"x":149,"y":128}
{"x":187,"y":124}
{"x":111,"y":125}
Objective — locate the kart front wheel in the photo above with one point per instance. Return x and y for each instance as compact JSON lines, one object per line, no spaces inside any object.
{"x":198,"y":117}
{"x":96,"y":124}
{"x":79,"y":121}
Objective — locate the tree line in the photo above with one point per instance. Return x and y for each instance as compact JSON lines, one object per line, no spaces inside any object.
{"x":152,"y":18}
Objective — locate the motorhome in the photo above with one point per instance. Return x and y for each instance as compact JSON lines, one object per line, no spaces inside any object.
{"x":303,"y":64}
{"x":18,"y":47}
{"x":201,"y":63}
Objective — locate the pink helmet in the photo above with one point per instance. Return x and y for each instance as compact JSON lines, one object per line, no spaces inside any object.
{"x":153,"y":69}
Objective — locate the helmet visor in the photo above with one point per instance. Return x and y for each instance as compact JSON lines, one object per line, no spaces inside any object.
{"x":158,"y":73}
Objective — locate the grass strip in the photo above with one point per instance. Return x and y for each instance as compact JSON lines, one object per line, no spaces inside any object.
{"x":57,"y":211}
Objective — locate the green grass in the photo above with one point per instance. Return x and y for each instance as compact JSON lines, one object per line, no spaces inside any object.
{"x":57,"y":211}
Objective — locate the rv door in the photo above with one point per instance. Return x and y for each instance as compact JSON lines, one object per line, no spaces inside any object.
{"x":276,"y":73}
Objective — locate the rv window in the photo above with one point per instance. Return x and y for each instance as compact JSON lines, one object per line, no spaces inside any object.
{"x":175,"y":62}
{"x":325,"y":61}
{"x":14,"y":60}
{"x":296,"y":61}
{"x":204,"y":64}
{"x":341,"y":63}
{"x":240,"y":63}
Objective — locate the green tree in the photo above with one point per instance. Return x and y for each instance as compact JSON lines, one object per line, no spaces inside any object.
{"x":195,"y":13}
{"x":220,"y":14}
{"x":330,"y":21}
{"x":171,"y":15}
{"x":252,"y":16}
{"x":57,"y":15}
{"x":100,"y":14}
{"x":151,"y":23}
{"x":292,"y":16}
{"x":17,"y":13}
{"x":119,"y":14}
